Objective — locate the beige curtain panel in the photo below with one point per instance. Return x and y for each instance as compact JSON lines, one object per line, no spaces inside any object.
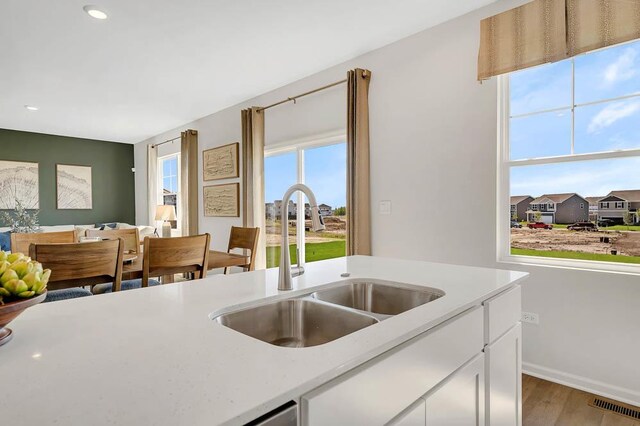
{"x":358,"y":190}
{"x":594,"y":24}
{"x":253,"y":177}
{"x":545,"y":31}
{"x":152,"y":183}
{"x":189,"y":182}
{"x":523,"y":37}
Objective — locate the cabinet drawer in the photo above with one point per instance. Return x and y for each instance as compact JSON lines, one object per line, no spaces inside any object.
{"x":380,"y":389}
{"x":502,"y":312}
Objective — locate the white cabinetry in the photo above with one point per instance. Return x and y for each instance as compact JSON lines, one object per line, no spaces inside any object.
{"x":379,"y":390}
{"x":503,"y":359}
{"x":459,"y":400}
{"x":504,"y":379}
{"x":414,"y":416}
{"x":465,"y":371}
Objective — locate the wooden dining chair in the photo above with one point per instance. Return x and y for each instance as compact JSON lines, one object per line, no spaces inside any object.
{"x":247,"y":239}
{"x":76,"y":265}
{"x":20,"y":242}
{"x":131,"y":237}
{"x":169,"y":256}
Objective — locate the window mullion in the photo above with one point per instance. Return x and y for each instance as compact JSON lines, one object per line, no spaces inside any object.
{"x":300,"y":211}
{"x":573,"y":106}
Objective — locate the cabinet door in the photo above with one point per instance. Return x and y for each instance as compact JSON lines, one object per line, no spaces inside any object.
{"x":459,"y":400}
{"x":503,"y":360}
{"x":380,"y":389}
{"x":414,"y":416}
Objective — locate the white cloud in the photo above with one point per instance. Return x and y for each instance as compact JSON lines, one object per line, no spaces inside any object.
{"x":612,"y":113}
{"x":623,"y":68}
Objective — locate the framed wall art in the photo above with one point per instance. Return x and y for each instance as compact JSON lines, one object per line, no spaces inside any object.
{"x":221,"y":162}
{"x":222,"y":200}
{"x":73,"y":187}
{"x":19,"y":182}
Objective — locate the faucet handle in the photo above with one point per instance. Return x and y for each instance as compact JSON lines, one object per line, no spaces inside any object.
{"x":298,"y":270}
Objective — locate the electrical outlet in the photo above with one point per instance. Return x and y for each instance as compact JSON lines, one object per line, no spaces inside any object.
{"x":384,"y":207}
{"x":530,"y":317}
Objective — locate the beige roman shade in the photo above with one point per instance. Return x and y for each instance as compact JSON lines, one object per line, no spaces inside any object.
{"x":545,"y":31}
{"x":253,"y":177}
{"x":358,"y":189}
{"x":594,"y":24}
{"x":189,"y":182}
{"x":523,"y":37}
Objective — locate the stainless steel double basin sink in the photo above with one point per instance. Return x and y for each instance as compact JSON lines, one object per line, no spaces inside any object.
{"x":327,"y":314}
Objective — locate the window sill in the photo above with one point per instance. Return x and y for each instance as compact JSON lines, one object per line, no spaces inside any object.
{"x":581,"y":265}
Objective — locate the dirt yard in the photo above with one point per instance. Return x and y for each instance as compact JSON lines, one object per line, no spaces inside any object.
{"x":336,"y":228}
{"x":626,"y":243}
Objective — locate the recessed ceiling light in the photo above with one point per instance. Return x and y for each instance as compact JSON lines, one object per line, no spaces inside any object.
{"x":95,"y":12}
{"x":31,"y":107}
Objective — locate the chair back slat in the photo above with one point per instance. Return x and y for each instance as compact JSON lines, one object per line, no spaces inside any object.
{"x":167,"y":256}
{"x":20,"y":242}
{"x":131,"y":237}
{"x":80,"y":264}
{"x":247,"y":239}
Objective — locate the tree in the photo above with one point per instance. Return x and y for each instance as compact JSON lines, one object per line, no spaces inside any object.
{"x":340,"y":211}
{"x":537,"y":216}
{"x":628,"y":218}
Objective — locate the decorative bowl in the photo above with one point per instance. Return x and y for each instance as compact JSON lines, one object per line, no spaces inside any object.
{"x":10,"y":310}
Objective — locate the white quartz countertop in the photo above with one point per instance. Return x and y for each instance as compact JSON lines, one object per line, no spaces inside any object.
{"x":154,"y":357}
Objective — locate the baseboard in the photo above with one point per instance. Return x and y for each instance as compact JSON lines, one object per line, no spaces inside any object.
{"x":627,"y":396}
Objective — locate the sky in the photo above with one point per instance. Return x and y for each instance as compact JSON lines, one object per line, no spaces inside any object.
{"x":325,"y":173}
{"x":607,"y":126}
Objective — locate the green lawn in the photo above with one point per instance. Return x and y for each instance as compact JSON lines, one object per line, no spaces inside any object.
{"x":575,"y":255}
{"x":315,"y":251}
{"x":620,"y":228}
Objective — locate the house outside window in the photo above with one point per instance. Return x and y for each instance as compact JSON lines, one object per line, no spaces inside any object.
{"x":569,"y":133}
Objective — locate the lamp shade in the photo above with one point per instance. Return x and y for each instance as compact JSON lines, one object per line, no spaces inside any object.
{"x":165,"y":213}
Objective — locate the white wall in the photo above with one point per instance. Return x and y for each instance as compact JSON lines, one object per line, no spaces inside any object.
{"x":433,"y":144}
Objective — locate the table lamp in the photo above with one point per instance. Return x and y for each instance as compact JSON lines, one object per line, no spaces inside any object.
{"x":166,"y":213}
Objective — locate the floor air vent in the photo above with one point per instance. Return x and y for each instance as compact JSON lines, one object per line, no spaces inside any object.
{"x":616,"y":407}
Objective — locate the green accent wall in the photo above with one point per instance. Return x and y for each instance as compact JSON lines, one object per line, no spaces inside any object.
{"x":113,"y":188}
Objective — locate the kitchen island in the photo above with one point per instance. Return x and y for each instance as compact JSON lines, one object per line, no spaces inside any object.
{"x":155,"y":356}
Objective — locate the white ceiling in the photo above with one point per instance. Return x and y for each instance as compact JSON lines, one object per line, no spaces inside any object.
{"x":157,"y":64}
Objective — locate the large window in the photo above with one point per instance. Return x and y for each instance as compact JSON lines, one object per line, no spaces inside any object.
{"x":570,"y":160}
{"x":169,"y":183}
{"x":322,"y":167}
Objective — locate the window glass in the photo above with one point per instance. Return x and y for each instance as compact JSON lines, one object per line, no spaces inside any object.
{"x":169,"y":184}
{"x":608,"y":126}
{"x":540,"y":135}
{"x":540,"y":88}
{"x":280,"y":172}
{"x":574,"y":185}
{"x":325,"y":171}
{"x":608,"y":73}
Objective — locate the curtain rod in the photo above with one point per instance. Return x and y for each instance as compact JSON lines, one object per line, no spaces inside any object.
{"x":293,"y":98}
{"x":167,"y":141}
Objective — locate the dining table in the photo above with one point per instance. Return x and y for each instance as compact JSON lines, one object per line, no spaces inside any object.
{"x":217,"y":259}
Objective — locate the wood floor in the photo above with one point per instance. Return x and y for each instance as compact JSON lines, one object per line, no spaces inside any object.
{"x":550,"y":404}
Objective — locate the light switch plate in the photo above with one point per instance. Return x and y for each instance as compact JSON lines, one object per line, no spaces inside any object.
{"x":385,"y":207}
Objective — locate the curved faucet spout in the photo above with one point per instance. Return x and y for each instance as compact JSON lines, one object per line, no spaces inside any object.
{"x":285,"y":274}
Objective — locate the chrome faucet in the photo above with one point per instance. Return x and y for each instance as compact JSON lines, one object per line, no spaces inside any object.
{"x":286,"y":273}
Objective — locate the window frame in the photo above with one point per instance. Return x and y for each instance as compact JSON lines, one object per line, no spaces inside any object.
{"x":505,"y":163}
{"x":160,"y":185}
{"x":299,"y":146}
